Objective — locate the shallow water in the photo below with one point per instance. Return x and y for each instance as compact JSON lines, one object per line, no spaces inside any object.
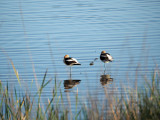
{"x":36,"y":36}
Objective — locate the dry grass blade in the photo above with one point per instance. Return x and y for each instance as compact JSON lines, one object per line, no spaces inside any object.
{"x":16,"y":72}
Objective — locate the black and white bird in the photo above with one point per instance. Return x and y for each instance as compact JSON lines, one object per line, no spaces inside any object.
{"x":69,"y":61}
{"x":106,"y":57}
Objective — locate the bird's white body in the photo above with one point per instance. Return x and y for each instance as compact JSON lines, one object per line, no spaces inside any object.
{"x":70,"y":61}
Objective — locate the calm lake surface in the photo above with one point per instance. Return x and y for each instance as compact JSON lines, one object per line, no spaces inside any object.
{"x":36,"y":35}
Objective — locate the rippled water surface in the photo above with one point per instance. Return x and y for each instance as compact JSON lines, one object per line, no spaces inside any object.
{"x":36,"y":35}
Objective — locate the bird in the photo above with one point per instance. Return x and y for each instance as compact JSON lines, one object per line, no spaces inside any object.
{"x":105,"y":57}
{"x":69,"y":61}
{"x":92,"y":63}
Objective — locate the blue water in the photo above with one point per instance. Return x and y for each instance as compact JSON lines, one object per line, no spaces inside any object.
{"x":36,"y":35}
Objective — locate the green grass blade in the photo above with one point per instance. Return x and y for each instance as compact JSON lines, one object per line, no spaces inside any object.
{"x":77,"y":115}
{"x":44,"y":78}
{"x":1,"y":89}
{"x":15,"y":91}
{"x":49,"y":105}
{"x":47,"y":83}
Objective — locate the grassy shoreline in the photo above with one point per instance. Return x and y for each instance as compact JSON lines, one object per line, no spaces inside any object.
{"x":140,"y":106}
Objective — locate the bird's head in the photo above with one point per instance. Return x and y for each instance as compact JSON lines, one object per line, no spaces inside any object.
{"x":66,"y":56}
{"x":103,"y":52}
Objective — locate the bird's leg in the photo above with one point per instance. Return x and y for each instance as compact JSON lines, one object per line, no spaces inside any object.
{"x":104,"y":68}
{"x":70,"y":71}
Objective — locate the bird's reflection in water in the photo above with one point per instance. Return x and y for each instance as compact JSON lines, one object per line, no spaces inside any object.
{"x":106,"y":79}
{"x":68,"y":84}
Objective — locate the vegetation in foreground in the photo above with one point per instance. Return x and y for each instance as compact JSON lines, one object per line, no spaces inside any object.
{"x":140,"y":106}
